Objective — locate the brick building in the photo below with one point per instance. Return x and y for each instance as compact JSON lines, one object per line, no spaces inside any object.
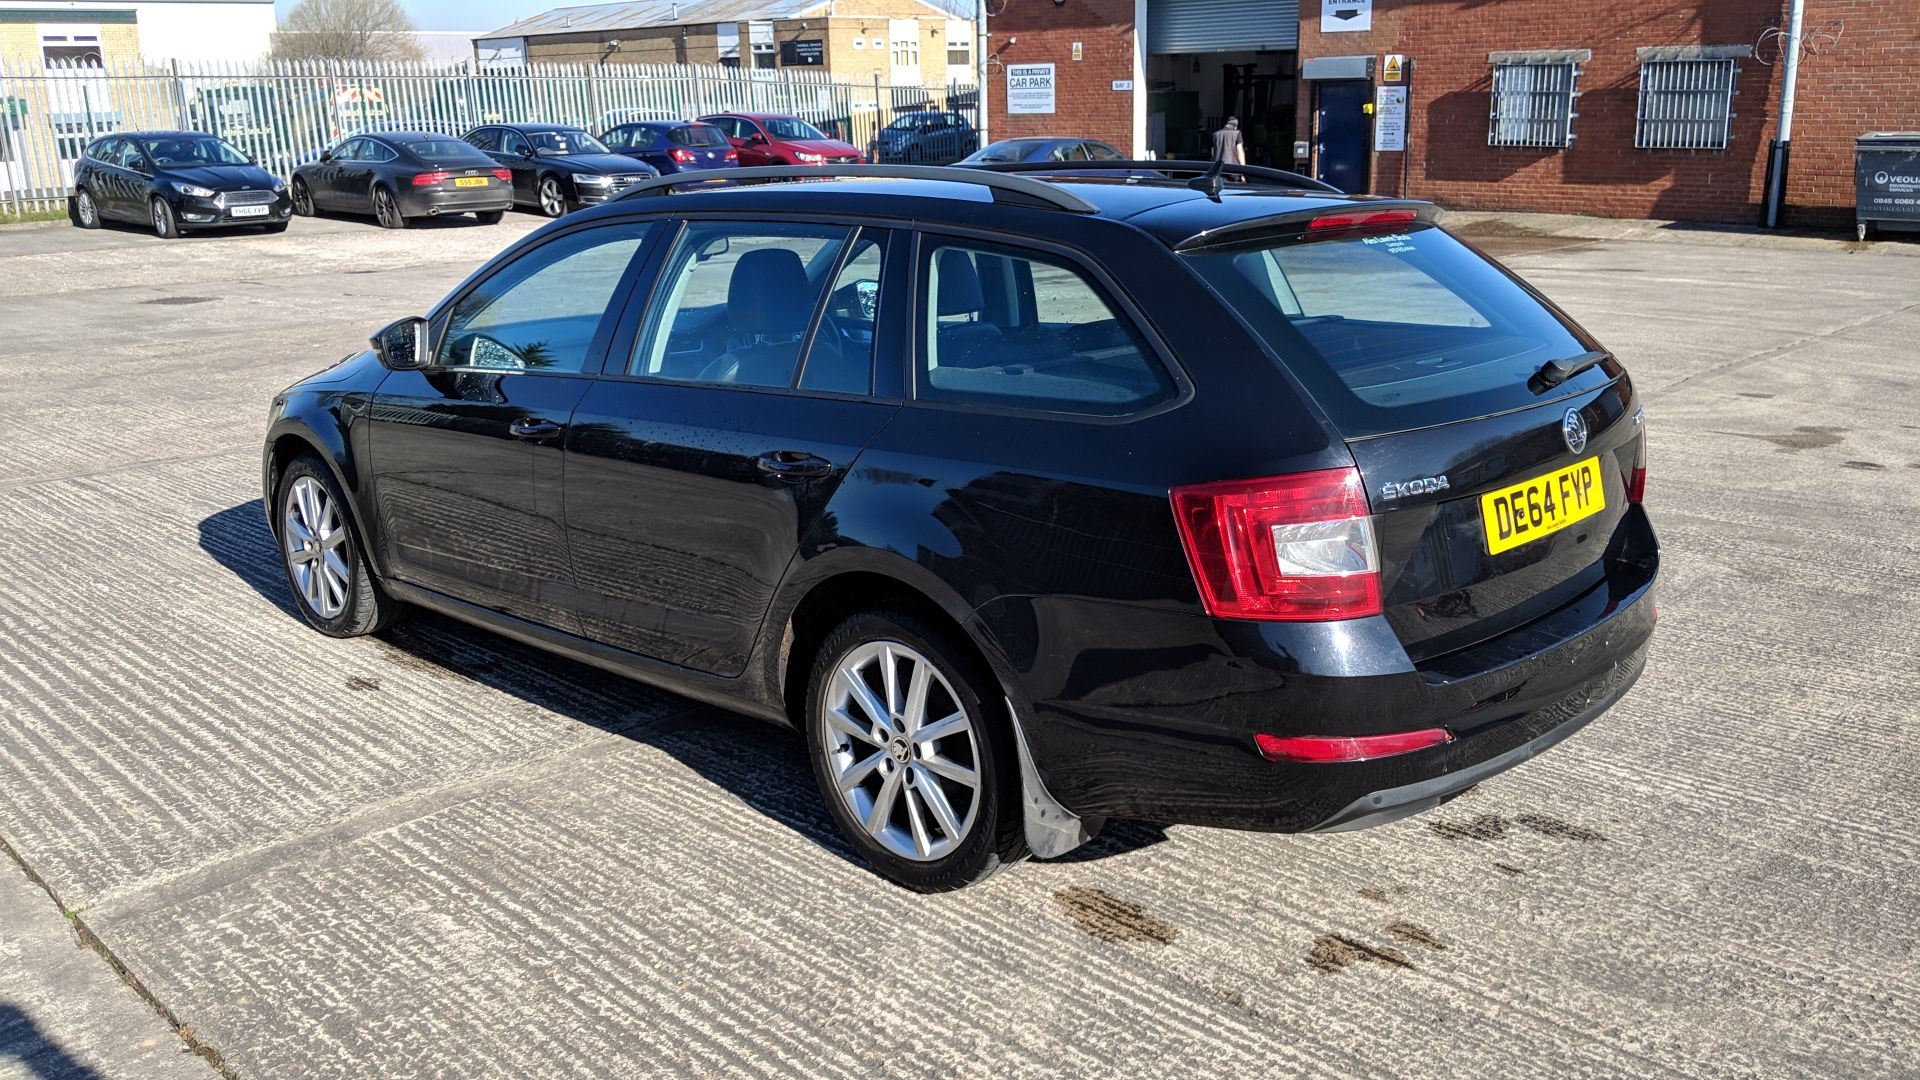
{"x":1633,"y":108}
{"x":898,"y":42}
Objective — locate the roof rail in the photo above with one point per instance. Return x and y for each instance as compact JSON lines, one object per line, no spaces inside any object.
{"x":1246,"y":173}
{"x":1016,"y":188}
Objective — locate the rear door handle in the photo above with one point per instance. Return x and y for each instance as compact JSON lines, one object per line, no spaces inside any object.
{"x":527,"y":428}
{"x":793,"y":465}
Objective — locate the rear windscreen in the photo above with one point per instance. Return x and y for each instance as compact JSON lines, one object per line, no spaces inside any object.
{"x":697,"y":135}
{"x":1392,"y":331}
{"x":446,"y":152}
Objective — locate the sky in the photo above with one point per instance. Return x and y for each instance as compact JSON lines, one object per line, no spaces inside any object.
{"x":463,"y":14}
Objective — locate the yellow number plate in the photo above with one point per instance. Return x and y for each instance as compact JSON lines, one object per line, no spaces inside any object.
{"x":1545,"y":504}
{"x":470,"y":181}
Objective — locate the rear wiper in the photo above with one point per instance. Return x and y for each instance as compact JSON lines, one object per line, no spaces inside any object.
{"x":1554,"y":372}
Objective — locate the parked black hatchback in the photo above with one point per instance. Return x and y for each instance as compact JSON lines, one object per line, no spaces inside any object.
{"x":175,"y":181}
{"x":1031,"y":502}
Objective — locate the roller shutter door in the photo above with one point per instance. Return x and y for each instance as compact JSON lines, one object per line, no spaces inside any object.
{"x":1199,"y":26}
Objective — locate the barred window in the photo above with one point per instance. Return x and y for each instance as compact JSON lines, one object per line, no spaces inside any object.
{"x":1533,"y":103}
{"x":1685,"y":104}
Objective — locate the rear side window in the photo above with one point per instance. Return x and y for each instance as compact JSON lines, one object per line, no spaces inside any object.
{"x":1006,"y":326}
{"x":1393,"y":331}
{"x":697,"y":135}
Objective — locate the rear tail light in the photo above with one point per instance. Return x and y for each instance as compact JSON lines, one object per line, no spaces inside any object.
{"x":505,"y":176}
{"x":429,"y":179}
{"x":1361,"y":218}
{"x":1295,"y":548}
{"x":1317,"y":749}
{"x":733,"y":155}
{"x":1637,"y":475}
{"x":681,"y":156}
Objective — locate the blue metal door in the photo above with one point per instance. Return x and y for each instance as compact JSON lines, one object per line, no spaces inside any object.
{"x":1343,"y":126}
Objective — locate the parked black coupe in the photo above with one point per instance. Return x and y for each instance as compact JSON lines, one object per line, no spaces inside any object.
{"x":400,"y":175}
{"x":175,"y":181}
{"x":558,"y":168}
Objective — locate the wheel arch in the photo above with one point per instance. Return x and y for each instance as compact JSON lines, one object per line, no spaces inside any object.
{"x":291,"y":438}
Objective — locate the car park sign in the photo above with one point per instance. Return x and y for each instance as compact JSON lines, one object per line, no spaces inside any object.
{"x":1029,"y":89}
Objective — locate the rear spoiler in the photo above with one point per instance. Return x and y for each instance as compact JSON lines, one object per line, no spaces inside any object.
{"x":1356,"y":213}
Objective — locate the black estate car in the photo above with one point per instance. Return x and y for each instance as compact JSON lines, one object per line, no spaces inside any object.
{"x":558,"y":168}
{"x":400,"y":175}
{"x":175,"y":181}
{"x":1030,"y":502}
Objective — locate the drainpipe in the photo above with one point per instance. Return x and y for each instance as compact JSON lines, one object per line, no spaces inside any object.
{"x":980,"y":65}
{"x":1789,"y":74}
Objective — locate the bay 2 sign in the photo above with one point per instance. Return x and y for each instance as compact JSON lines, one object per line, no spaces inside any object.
{"x":1029,"y":88}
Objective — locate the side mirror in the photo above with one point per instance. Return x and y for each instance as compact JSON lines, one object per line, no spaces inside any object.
{"x":326,"y":155}
{"x":403,"y":345}
{"x":757,"y":139}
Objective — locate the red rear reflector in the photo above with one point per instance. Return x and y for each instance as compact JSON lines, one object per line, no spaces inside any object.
{"x":1317,"y":749}
{"x":1361,"y":217}
{"x":1637,"y":484}
{"x":503,"y":175}
{"x":428,"y":179}
{"x":1295,"y":548}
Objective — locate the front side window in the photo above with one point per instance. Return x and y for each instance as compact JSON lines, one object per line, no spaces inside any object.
{"x":1102,"y":152}
{"x":841,"y":356}
{"x":511,"y":142}
{"x":350,"y":150}
{"x":540,"y":313}
{"x":1005,"y":326}
{"x":787,"y":127}
{"x":1533,"y":103}
{"x":734,"y":302}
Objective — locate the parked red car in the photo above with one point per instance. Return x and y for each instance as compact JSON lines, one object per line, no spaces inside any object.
{"x":777,"y":139}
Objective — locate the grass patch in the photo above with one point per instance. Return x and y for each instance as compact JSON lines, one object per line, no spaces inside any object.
{"x":10,"y":218}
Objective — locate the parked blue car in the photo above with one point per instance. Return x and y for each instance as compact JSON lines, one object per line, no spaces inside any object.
{"x":673,"y":146}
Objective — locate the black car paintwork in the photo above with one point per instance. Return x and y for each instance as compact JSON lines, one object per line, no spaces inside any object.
{"x":530,"y":168}
{"x":1049,"y":538}
{"x":343,"y":185}
{"x":124,"y":194}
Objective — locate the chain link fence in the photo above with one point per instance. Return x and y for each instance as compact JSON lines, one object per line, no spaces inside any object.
{"x":283,"y":113}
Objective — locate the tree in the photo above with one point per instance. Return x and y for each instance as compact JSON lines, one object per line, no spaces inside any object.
{"x":346,"y":30}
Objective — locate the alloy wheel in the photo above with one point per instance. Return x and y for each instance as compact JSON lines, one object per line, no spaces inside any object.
{"x":89,"y":214}
{"x":552,"y":202}
{"x":314,"y":538}
{"x":901,"y":750}
{"x":385,"y":210}
{"x":302,"y":199}
{"x":162,"y":218}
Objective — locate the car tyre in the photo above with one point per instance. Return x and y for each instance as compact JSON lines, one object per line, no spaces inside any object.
{"x":489,"y":217}
{"x":553,"y":198}
{"x":386,"y":210}
{"x":303,"y":199}
{"x":320,"y":553}
{"x":165,"y":226}
{"x":932,"y":812}
{"x":86,"y":212}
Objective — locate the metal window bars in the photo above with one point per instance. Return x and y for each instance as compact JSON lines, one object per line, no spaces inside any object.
{"x":1533,"y":104}
{"x":1685,"y":104}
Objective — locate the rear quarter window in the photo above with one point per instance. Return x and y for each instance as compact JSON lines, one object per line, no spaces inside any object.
{"x":1396,"y":330}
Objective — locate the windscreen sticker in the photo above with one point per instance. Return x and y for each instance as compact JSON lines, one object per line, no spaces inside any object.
{"x":1396,"y":243}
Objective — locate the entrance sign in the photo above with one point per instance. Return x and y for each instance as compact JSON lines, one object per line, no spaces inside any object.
{"x":1345,"y":16}
{"x":1390,"y":118}
{"x":1029,"y":89}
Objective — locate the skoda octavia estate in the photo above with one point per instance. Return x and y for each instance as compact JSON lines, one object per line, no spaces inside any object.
{"x":1031,"y":501}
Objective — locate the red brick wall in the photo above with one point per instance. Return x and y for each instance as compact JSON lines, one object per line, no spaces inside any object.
{"x":1085,"y":102}
{"x":1861,"y":82}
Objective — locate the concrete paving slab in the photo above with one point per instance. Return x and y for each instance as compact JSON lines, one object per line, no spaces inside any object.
{"x":64,"y":1013}
{"x":441,"y":854}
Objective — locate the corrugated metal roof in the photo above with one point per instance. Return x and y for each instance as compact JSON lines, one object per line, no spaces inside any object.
{"x":638,"y":14}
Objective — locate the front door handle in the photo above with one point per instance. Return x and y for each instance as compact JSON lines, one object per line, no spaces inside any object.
{"x":793,"y":466}
{"x":527,"y":428}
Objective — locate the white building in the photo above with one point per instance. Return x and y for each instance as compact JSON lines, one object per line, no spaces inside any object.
{"x":115,"y":31}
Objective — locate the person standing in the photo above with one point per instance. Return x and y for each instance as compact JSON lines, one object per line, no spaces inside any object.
{"x":1227,"y":146}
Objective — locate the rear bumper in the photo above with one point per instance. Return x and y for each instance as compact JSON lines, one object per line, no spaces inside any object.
{"x":1165,"y":731}
{"x":427,"y":202}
